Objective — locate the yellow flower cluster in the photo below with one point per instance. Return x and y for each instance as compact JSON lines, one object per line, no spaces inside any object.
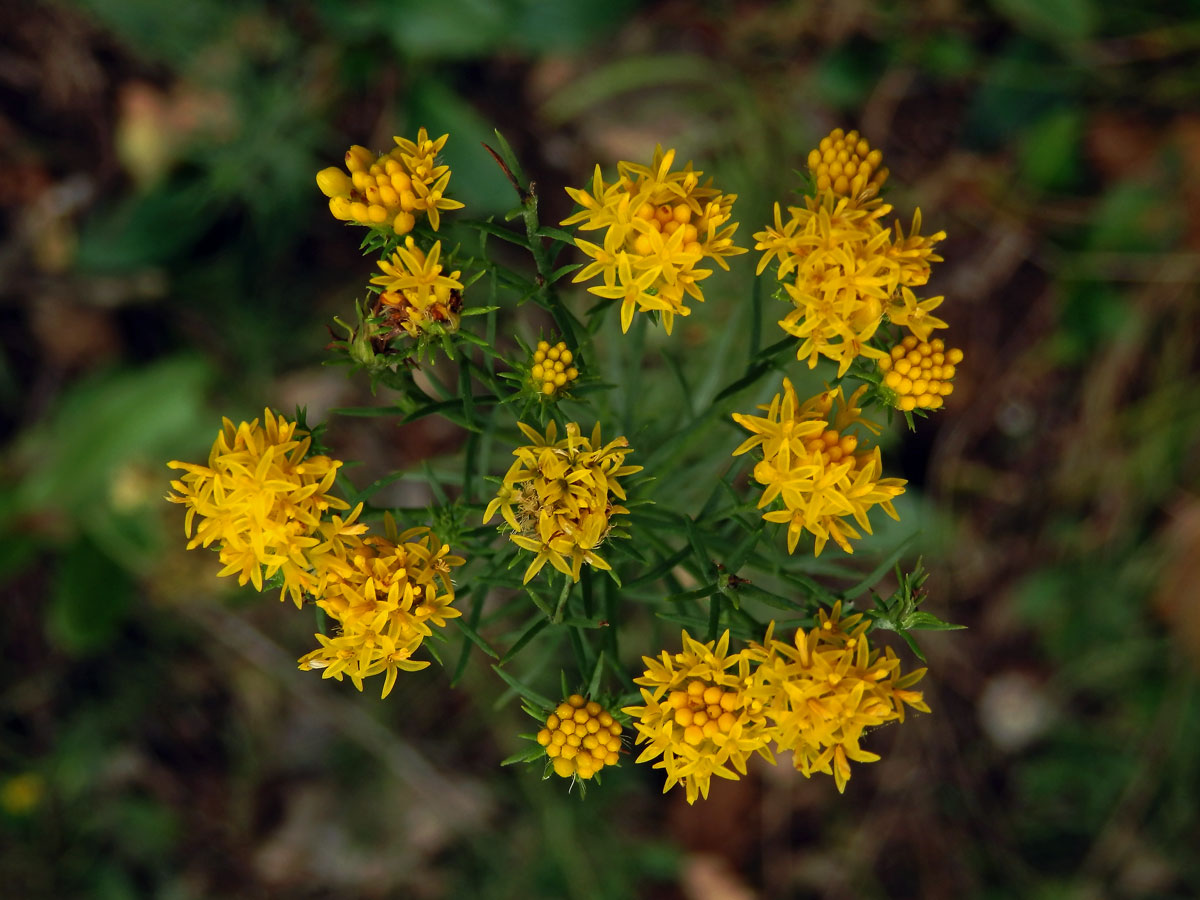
{"x":416,"y":297}
{"x":390,"y":188}
{"x":823,"y":474}
{"x":825,"y":689}
{"x":844,"y":270}
{"x":920,"y":374}
{"x":264,"y":502}
{"x":658,"y":227}
{"x":261,"y":500}
{"x":552,"y":370}
{"x":581,"y":738}
{"x":384,"y":593}
{"x":557,"y":497}
{"x":706,"y":709}
{"x":698,"y":715}
{"x":846,"y":165}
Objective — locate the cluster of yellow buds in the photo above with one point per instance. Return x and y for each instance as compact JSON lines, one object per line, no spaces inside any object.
{"x":581,"y":738}
{"x":825,"y":475}
{"x":658,"y":226}
{"x":846,"y":164}
{"x":920,"y":374}
{"x":552,"y":370}
{"x":558,"y":497}
{"x":826,"y":688}
{"x":390,"y":188}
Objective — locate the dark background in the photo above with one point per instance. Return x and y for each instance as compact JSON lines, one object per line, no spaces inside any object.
{"x":167,"y":259}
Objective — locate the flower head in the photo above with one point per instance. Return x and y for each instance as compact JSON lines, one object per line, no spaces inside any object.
{"x":697,"y":715}
{"x":919,"y":374}
{"x":261,"y":499}
{"x":552,"y":370}
{"x":659,"y":225}
{"x":558,"y":497}
{"x":842,"y":268}
{"x":416,"y":296}
{"x":390,"y":189}
{"x":824,"y":474}
{"x":580,"y":738}
{"x":825,"y":689}
{"x":384,"y":595}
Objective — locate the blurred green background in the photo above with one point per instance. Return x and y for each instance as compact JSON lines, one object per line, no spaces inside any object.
{"x":166,"y":259}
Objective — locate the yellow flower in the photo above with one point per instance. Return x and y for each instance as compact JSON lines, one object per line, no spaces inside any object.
{"x":261,"y":500}
{"x":416,"y":296}
{"x":823,"y":474}
{"x":580,"y":738}
{"x":841,"y":276}
{"x":919,"y":374}
{"x":392,"y":188}
{"x":384,"y":596}
{"x":698,"y":715}
{"x":914,"y":253}
{"x":557,"y":497}
{"x":912,"y":313}
{"x":842,"y":268}
{"x":552,"y":370}
{"x":658,"y":227}
{"x":825,"y":689}
{"x":845,"y":164}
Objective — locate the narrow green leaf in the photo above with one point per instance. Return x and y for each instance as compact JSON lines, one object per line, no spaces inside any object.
{"x":530,"y":755}
{"x":534,"y":629}
{"x":928,"y":622}
{"x":558,"y":234}
{"x":475,"y":638}
{"x":698,"y":594}
{"x":505,"y":234}
{"x":912,"y":645}
{"x":871,"y":580}
{"x":527,"y":692}
{"x":768,"y":598}
{"x":367,"y":411}
{"x":597,"y":673}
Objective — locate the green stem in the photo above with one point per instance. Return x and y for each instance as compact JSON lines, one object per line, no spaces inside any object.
{"x":714,"y":615}
{"x":547,"y":295}
{"x":562,"y":600}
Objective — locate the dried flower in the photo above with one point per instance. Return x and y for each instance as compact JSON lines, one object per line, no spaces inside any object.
{"x":416,"y":297}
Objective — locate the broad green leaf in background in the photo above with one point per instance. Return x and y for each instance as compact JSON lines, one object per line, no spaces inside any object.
{"x":1024,"y":82}
{"x":73,"y":461}
{"x":1133,"y":217}
{"x":475,"y":174}
{"x":146,"y":229}
{"x":1049,"y":152}
{"x":91,"y":597}
{"x":1057,"y":20}
{"x":845,"y":77}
